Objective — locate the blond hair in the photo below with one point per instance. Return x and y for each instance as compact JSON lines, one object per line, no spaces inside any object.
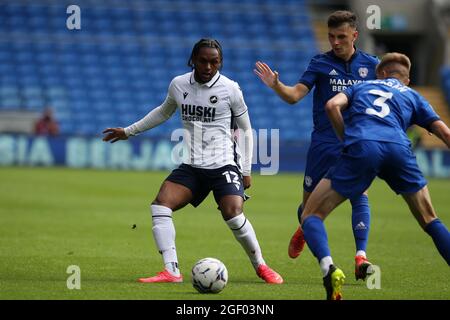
{"x":394,"y":63}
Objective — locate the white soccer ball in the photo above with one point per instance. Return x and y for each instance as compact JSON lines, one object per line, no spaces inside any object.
{"x":209,"y":275}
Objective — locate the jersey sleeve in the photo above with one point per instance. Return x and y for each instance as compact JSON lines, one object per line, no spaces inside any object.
{"x":349,"y":93}
{"x":309,"y":77}
{"x":246,"y":142}
{"x":424,"y":114}
{"x":156,"y":116}
{"x":238,"y":106}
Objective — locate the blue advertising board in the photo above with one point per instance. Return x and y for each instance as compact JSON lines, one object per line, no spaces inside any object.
{"x":158,"y":154}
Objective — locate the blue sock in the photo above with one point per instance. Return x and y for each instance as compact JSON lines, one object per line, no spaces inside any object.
{"x":316,"y":237}
{"x":361,"y":221}
{"x":299,"y":213}
{"x":441,"y":238}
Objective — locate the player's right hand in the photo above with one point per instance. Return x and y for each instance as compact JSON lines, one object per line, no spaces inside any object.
{"x":247,"y":182}
{"x":263,"y":71}
{"x":114,"y":134}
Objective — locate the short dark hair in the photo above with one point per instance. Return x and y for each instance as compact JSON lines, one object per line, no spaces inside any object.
{"x":205,"y":43}
{"x":338,"y":18}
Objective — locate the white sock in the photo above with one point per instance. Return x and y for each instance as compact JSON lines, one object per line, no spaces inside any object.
{"x":325,"y":264}
{"x":164,"y":234}
{"x":361,"y":253}
{"x":245,"y":234}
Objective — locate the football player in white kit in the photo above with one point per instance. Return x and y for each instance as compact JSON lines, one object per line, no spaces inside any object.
{"x":210,"y":103}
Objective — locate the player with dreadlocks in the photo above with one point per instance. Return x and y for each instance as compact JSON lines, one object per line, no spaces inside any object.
{"x":209,"y":103}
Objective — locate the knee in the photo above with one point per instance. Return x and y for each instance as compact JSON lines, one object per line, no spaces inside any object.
{"x":306,"y":212}
{"x":309,"y":215}
{"x":160,"y":202}
{"x":304,"y":216}
{"x":231,"y":211}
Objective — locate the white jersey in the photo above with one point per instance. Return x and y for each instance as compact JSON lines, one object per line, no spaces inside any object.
{"x":207,"y":112}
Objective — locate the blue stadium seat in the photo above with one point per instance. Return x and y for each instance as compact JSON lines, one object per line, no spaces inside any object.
{"x":122,"y":60}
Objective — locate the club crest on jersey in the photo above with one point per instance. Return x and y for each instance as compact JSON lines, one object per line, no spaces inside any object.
{"x":308,"y":181}
{"x":363,"y":72}
{"x":213,"y":99}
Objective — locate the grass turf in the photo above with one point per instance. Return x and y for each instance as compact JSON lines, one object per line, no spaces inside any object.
{"x":54,"y":218}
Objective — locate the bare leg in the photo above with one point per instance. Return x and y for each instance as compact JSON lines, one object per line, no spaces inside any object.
{"x":173,"y":195}
{"x":322,"y":201}
{"x":306,"y":196}
{"x":230,"y":206}
{"x":422,"y":209}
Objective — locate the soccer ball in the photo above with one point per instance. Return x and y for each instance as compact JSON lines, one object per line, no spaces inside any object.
{"x":209,"y":275}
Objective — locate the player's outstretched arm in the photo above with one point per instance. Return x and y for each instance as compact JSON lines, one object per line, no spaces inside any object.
{"x":114,"y":134}
{"x":333,"y":108}
{"x":441,"y":130}
{"x":271,"y":79}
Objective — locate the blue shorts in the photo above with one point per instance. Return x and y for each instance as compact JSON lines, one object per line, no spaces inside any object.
{"x":321,"y":157}
{"x":362,"y":161}
{"x":223,"y":181}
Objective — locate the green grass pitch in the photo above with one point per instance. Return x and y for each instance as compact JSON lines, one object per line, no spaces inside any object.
{"x":54,"y":218}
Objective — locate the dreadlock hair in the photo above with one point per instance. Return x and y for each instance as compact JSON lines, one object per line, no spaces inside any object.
{"x":205,"y":43}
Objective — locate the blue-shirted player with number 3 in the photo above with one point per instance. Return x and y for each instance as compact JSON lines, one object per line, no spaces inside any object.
{"x":329,"y":73}
{"x":375,"y":144}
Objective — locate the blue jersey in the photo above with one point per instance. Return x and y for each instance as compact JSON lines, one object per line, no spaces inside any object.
{"x":330,"y":75}
{"x":382,"y":110}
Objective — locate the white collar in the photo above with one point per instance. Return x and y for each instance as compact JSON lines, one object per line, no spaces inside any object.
{"x":209,"y":84}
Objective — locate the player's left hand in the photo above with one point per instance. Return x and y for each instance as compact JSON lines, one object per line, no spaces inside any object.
{"x":247,"y":182}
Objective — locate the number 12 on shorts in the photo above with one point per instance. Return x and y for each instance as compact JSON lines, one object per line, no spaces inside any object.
{"x":228,"y":175}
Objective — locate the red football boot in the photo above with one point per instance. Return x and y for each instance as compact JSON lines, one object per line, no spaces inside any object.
{"x":268,"y":275}
{"x":163,"y":276}
{"x":361,"y":267}
{"x":297,"y":243}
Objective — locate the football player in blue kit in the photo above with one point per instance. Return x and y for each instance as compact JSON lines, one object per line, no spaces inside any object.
{"x":375,"y":144}
{"x":329,"y":73}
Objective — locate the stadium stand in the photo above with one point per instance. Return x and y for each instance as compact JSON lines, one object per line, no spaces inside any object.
{"x":446,"y":81}
{"x":119,"y":65}
{"x":437,"y":100}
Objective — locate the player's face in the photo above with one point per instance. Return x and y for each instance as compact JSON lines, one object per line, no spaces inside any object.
{"x":342,"y":40}
{"x":206,"y":64}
